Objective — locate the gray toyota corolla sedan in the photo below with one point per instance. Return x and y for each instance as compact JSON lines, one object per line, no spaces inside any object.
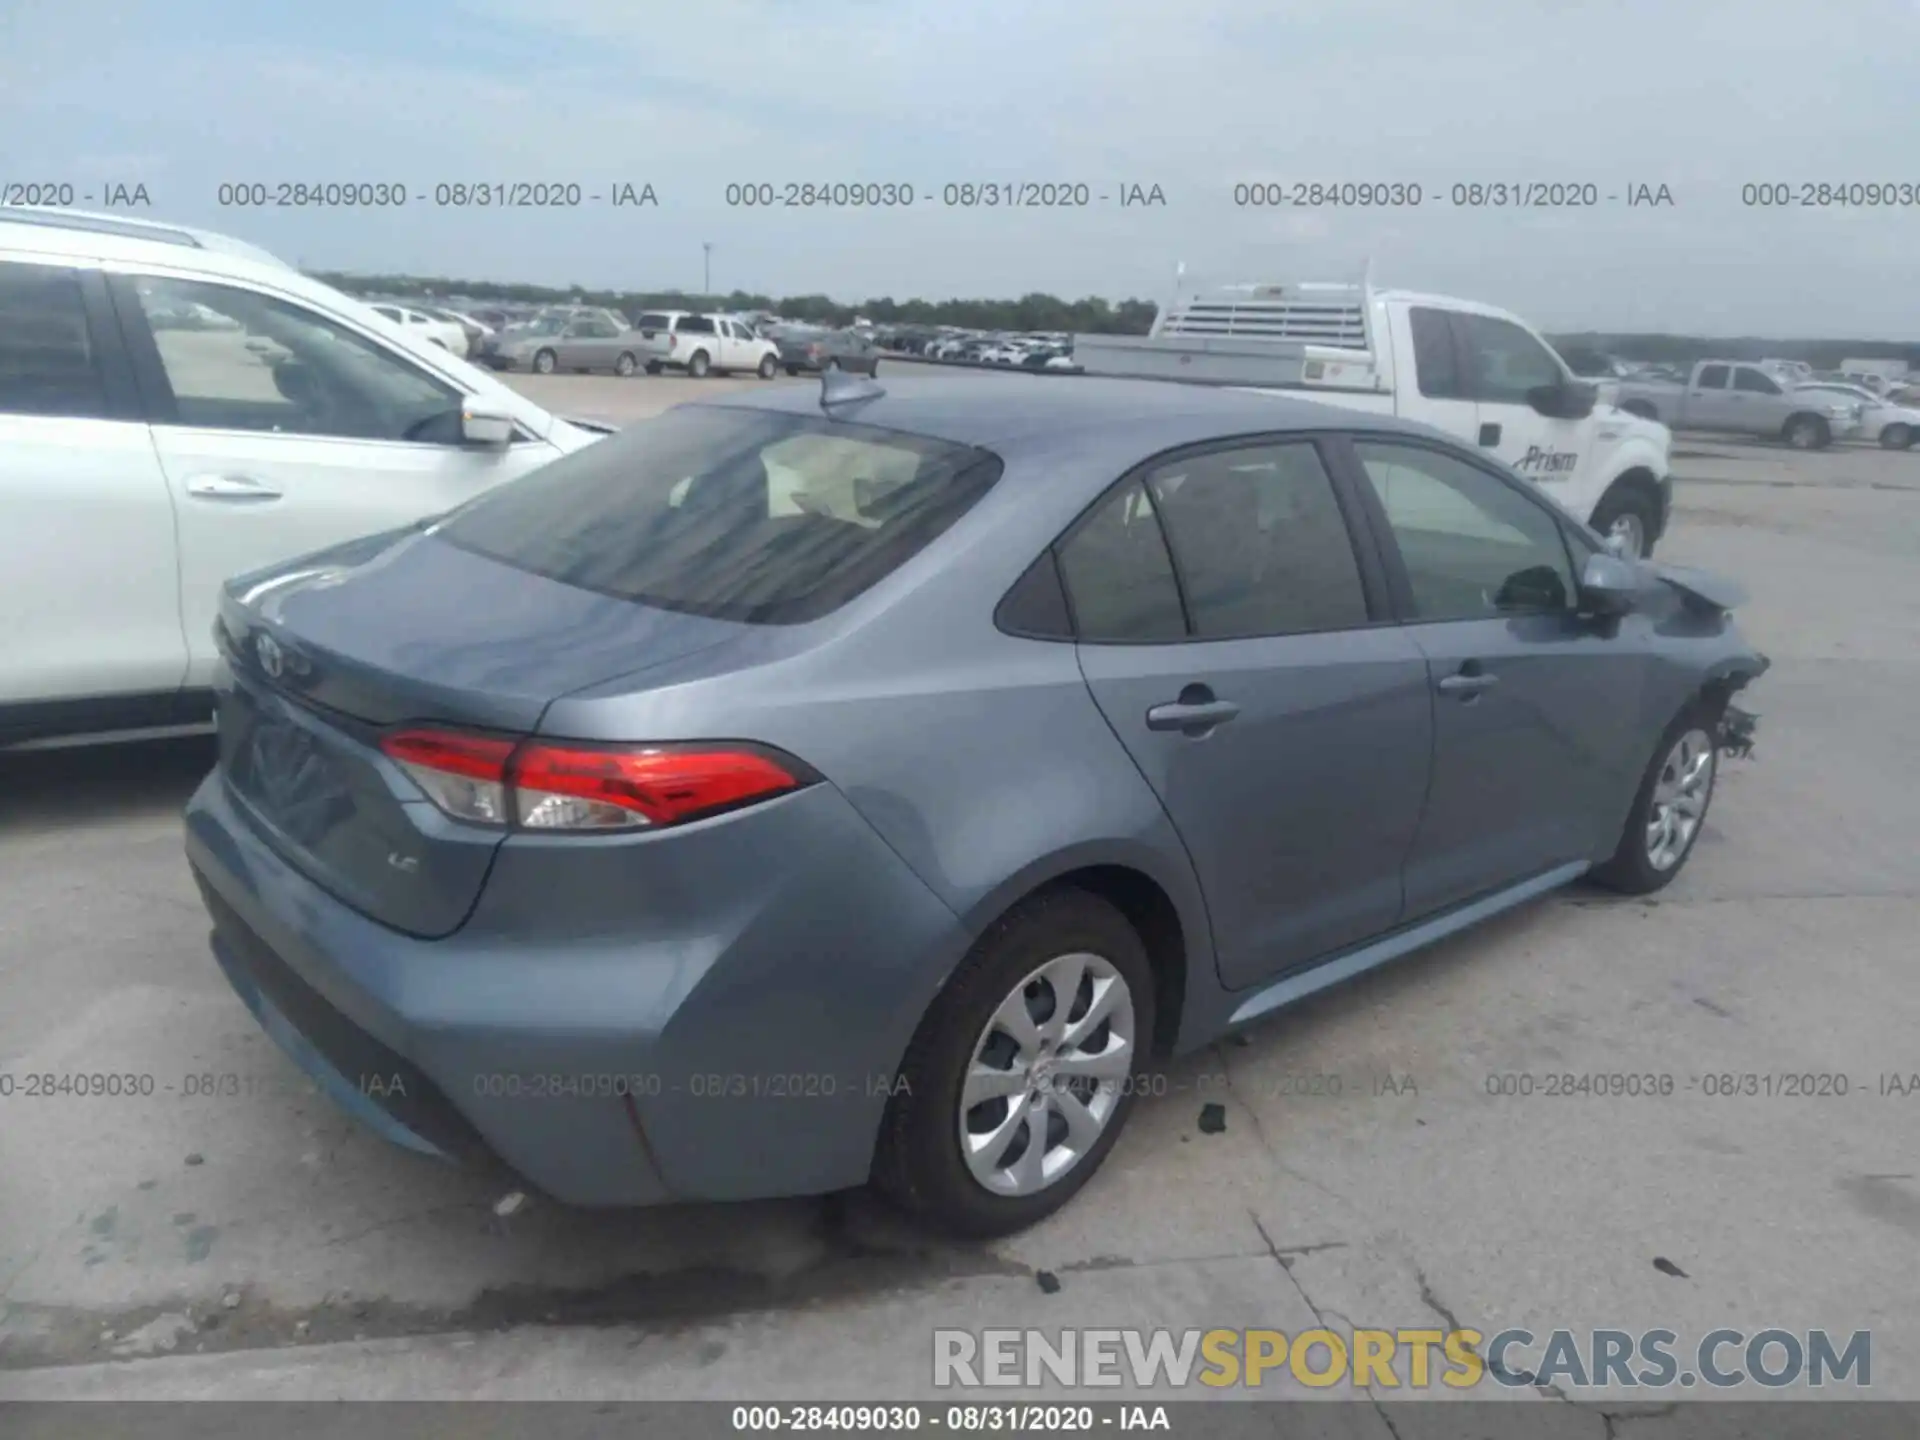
{"x":823,"y":786}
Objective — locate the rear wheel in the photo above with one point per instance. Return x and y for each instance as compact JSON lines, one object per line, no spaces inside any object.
{"x":1808,"y":432}
{"x":544,"y":362}
{"x":653,"y":367}
{"x":1668,"y":810}
{"x":625,"y":365}
{"x":1896,"y":437}
{"x":766,"y":367}
{"x":699,"y":366}
{"x":1023,"y":1072}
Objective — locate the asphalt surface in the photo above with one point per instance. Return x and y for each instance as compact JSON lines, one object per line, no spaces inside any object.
{"x":252,"y":1242}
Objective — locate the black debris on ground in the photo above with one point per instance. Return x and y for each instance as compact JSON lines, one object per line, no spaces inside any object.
{"x":1667,"y":1267}
{"x":1049,"y":1282}
{"x":1213,"y":1118}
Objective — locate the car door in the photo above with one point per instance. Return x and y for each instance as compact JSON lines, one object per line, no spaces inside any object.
{"x":588,"y":343}
{"x":287,"y":431}
{"x":1756,"y":402}
{"x":1502,"y":363}
{"x":1537,"y":708}
{"x":89,"y":598}
{"x":1708,"y":403}
{"x":1235,"y":638}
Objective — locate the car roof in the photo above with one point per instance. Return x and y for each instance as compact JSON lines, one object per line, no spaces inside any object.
{"x":995,"y":411}
{"x":93,"y":235}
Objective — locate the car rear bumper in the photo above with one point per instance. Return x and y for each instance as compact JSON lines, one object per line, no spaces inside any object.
{"x":602,"y":1042}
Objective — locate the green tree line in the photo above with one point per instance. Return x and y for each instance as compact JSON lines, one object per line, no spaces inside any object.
{"x":1090,"y":316}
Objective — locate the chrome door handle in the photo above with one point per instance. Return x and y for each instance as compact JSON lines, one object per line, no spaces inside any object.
{"x":1467,"y":686}
{"x":231,"y":487}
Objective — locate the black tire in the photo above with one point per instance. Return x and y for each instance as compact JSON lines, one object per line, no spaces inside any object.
{"x":625,"y":365}
{"x":1628,"y":503}
{"x":767,"y":367}
{"x":1807,"y":432}
{"x":699,"y":366}
{"x":653,"y":367}
{"x":1630,"y":870}
{"x":544,"y":362}
{"x":1896,"y":437}
{"x":918,"y":1164}
{"x":873,"y":370}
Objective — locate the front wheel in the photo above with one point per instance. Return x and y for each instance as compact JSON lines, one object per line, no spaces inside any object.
{"x":767,"y":367}
{"x":544,"y":362}
{"x":1668,"y":809}
{"x":1627,"y":518}
{"x":1896,"y":437}
{"x":700,"y":365}
{"x":1808,"y":432}
{"x":1022,"y":1074}
{"x":625,"y":365}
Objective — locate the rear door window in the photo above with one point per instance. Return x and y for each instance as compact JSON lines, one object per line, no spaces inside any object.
{"x":1118,"y":574}
{"x":735,"y":514}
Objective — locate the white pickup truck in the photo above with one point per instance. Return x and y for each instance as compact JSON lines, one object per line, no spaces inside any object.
{"x":1471,"y":370}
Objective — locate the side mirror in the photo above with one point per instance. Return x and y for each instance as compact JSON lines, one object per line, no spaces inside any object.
{"x":1570,"y":400}
{"x":489,"y":429}
{"x":1609,"y":585}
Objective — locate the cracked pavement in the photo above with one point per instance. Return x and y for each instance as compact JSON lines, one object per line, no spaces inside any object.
{"x":254,"y":1243}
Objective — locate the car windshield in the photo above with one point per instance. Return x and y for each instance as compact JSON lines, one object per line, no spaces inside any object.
{"x":735,"y":514}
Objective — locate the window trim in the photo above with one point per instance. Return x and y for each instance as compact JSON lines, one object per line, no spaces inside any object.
{"x":119,"y":394}
{"x":1399,"y":580}
{"x":1374,"y":577}
{"x":158,"y":405}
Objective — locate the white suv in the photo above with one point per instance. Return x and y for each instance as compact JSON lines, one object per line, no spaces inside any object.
{"x":704,"y":345}
{"x":176,"y":408}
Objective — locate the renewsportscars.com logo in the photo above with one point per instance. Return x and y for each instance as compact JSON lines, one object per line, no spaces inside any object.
{"x":1412,"y":1359}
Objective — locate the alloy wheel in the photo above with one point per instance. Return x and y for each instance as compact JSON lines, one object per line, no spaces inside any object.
{"x":1680,"y":797}
{"x":1047,"y":1073}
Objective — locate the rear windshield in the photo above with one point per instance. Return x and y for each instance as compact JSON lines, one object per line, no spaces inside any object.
{"x":735,"y":514}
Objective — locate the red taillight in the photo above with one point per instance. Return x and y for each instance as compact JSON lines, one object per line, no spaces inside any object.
{"x":540,"y":786}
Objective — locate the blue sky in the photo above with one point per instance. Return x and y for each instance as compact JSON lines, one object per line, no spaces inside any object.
{"x":1192,"y":95}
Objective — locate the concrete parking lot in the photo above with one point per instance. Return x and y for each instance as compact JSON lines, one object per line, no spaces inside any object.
{"x":253,"y":1242}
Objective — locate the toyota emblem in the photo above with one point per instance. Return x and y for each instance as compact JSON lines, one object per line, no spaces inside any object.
{"x":273,"y":659}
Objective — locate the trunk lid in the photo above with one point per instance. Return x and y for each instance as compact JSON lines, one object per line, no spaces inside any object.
{"x":327,"y":655}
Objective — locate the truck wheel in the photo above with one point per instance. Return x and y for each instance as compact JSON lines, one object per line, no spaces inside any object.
{"x":1642,"y":409}
{"x":1808,"y":432}
{"x":1896,"y":437}
{"x":543,"y":363}
{"x":766,"y":367}
{"x":1669,"y":808}
{"x":1627,"y":518}
{"x":699,"y":365}
{"x":625,"y":365}
{"x":653,"y":367}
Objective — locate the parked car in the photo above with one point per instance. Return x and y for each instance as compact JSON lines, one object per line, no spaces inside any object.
{"x":580,"y":345}
{"x":143,"y":461}
{"x":812,"y":349}
{"x":886,"y":759}
{"x":446,"y":334}
{"x":704,"y":345}
{"x":476,"y":331}
{"x":1735,"y":398}
{"x":1883,"y":420}
{"x":1479,"y":373}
